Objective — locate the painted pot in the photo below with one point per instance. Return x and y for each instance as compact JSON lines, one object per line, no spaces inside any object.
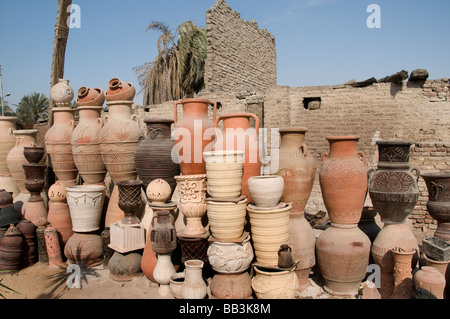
{"x":228,"y":286}
{"x":85,"y":204}
{"x":431,"y":279}
{"x":343,"y":180}
{"x":120,"y":91}
{"x":194,"y":287}
{"x":297,"y":167}
{"x":270,"y":230}
{"x":237,"y":135}
{"x":270,"y":283}
{"x":266,"y":191}
{"x":194,"y":134}
{"x":61,"y":93}
{"x":224,"y":171}
{"x":343,"y":256}
{"x":230,"y":258}
{"x":226,"y":219}
{"x":153,"y":158}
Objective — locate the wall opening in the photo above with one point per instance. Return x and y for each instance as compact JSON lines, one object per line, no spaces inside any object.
{"x":312,"y":103}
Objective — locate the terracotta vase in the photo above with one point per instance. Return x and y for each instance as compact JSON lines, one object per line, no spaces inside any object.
{"x":120,"y":91}
{"x":270,"y":283}
{"x":444,"y":269}
{"x":11,"y":250}
{"x":343,"y":257}
{"x":153,"y":158}
{"x":125,"y":267}
{"x":42,"y":248}
{"x":194,"y":134}
{"x":16,"y":159}
{"x":297,"y":167}
{"x":119,"y":139}
{"x":86,"y":145}
{"x":438,"y":205}
{"x":90,"y":97}
{"x":403,"y":285}
{"x":192,"y":203}
{"x":266,"y":191}
{"x":59,"y":148}
{"x":224,"y":173}
{"x":59,"y":212}
{"x":429,"y":278}
{"x":28,"y":230}
{"x":230,"y":258}
{"x":270,"y":230}
{"x":343,"y":180}
{"x":84,"y":249}
{"x":7,"y":142}
{"x":237,"y":135}
{"x":194,"y":287}
{"x":53,"y":247}
{"x":61,"y":93}
{"x":163,"y":235}
{"x":130,"y":200}
{"x":226,"y":218}
{"x":162,"y":273}
{"x":393,"y":188}
{"x":236,"y":287}
{"x":85,"y":204}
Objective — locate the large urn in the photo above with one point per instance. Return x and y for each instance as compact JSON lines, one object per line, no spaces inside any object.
{"x":7,"y":142}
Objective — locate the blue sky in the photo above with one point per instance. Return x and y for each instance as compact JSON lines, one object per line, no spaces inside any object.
{"x":318,"y":42}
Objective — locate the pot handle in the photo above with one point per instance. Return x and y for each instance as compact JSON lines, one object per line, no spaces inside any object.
{"x":99,"y":121}
{"x":135,"y":118}
{"x":323,"y":157}
{"x":175,"y":115}
{"x":370,"y":172}
{"x":361,"y":154}
{"x":72,"y":124}
{"x":10,"y":131}
{"x":304,"y":149}
{"x":436,"y":187}
{"x":417,"y":172}
{"x":105,"y":120}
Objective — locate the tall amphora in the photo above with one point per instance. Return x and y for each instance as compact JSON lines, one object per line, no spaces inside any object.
{"x":7,"y":142}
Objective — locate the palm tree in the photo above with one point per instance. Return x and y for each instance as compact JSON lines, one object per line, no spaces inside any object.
{"x":178,"y":69}
{"x":31,"y":109}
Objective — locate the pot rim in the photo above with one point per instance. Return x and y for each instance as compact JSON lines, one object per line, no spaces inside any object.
{"x":293,"y":129}
{"x":8,"y":118}
{"x":262,"y":177}
{"x":394,"y":142}
{"x":443,"y":174}
{"x":343,"y":137}
{"x":85,"y":188}
{"x":158,"y":121}
{"x":194,"y":100}
{"x":26,"y":132}
{"x":194,"y":263}
{"x":223,"y":153}
{"x":190,"y":177}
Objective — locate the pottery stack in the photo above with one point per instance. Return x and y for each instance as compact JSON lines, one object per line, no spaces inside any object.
{"x":343,"y":250}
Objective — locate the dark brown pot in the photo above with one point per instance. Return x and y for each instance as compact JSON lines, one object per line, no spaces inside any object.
{"x":28,"y":230}
{"x":11,"y":248}
{"x":163,"y":235}
{"x":153,"y":156}
{"x":35,"y":180}
{"x":130,"y":192}
{"x":33,"y":154}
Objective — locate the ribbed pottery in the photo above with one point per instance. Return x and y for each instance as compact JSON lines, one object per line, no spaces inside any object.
{"x":86,"y":204}
{"x":224,"y":171}
{"x":270,"y":283}
{"x":226,"y":218}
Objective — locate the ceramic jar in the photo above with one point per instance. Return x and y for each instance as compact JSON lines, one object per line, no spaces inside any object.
{"x":228,"y":286}
{"x":42,"y":248}
{"x":438,"y":205}
{"x":59,"y":148}
{"x":237,"y":135}
{"x":130,"y":193}
{"x":343,"y":256}
{"x":163,"y":235}
{"x":403,"y":285}
{"x":84,"y":249}
{"x":29,"y":252}
{"x":194,"y":287}
{"x":119,"y":90}
{"x":125,"y":267}
{"x":86,"y":144}
{"x":85,"y":204}
{"x":7,"y":142}
{"x":153,"y":158}
{"x":53,"y":247}
{"x":158,"y":191}
{"x":59,"y":212}
{"x":163,"y":272}
{"x":226,"y":218}
{"x":230,"y":258}
{"x":429,"y":278}
{"x":343,"y":180}
{"x":61,"y":93}
{"x":266,"y":191}
{"x":224,"y":171}
{"x":11,"y":247}
{"x":90,"y":97}
{"x":297,"y":167}
{"x":270,"y":283}
{"x":270,"y":230}
{"x":176,"y":281}
{"x":192,"y":189}
{"x":194,"y":134}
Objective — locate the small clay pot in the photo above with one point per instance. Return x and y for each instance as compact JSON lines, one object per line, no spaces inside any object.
{"x":120,"y":91}
{"x":266,"y":191}
{"x":125,"y":267}
{"x":231,"y":286}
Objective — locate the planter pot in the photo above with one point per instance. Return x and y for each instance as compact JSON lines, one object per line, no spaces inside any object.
{"x":230,"y":258}
{"x":194,"y":287}
{"x":266,"y":191}
{"x":86,"y":204}
{"x":226,"y":219}
{"x":436,"y":249}
{"x":231,"y":286}
{"x":274,"y":283}
{"x":224,"y":173}
{"x":194,"y":134}
{"x":343,"y":256}
{"x":429,"y":278}
{"x":153,"y":158}
{"x":61,"y":93}
{"x":270,"y":230}
{"x":237,"y":135}
{"x":130,"y":200}
{"x":84,"y":249}
{"x":343,"y":180}
{"x":403,"y":285}
{"x":297,"y":167}
{"x":120,"y":91}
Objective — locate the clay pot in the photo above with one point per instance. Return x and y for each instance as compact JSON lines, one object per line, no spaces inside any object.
{"x":438,"y":205}
{"x":270,"y":283}
{"x":368,"y":224}
{"x":11,"y":250}
{"x":85,"y":204}
{"x":237,"y":135}
{"x":53,"y":247}
{"x":163,"y":235}
{"x":230,"y":258}
{"x":231,"y":286}
{"x":195,"y":249}
{"x":285,"y":260}
{"x":35,"y":182}
{"x":176,"y":281}
{"x":9,"y":215}
{"x":393,"y":188}
{"x":192,"y":189}
{"x":226,"y":219}
{"x":120,"y":91}
{"x":29,"y":252}
{"x":125,"y":267}
{"x":429,"y":278}
{"x":7,"y":141}
{"x":297,"y":167}
{"x":90,"y":97}
{"x":6,"y":199}
{"x":59,"y":212}
{"x":130,"y":200}
{"x":224,"y":173}
{"x":403,"y":285}
{"x":266,"y":191}
{"x":84,"y":249}
{"x":194,"y":287}
{"x":163,"y":272}
{"x":193,"y":130}
{"x":343,"y":256}
{"x":153,"y":158}
{"x":270,"y":230}
{"x":85,"y":143}
{"x":42,"y":248}
{"x":61,"y":93}
{"x":158,"y":191}
{"x":343,"y":180}
{"x":33,"y":154}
